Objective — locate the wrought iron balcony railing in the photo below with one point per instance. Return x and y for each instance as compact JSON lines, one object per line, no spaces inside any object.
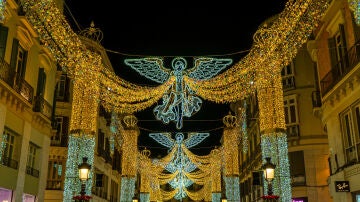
{"x":11,"y":163}
{"x":15,"y":81}
{"x":42,"y":106}
{"x":339,"y":70}
{"x":32,"y":171}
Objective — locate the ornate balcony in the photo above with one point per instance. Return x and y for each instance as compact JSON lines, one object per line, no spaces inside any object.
{"x":15,"y":81}
{"x":42,"y":106}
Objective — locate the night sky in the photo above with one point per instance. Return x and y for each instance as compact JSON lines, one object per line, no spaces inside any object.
{"x":134,"y":29}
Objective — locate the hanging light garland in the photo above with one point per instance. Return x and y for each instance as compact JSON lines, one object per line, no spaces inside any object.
{"x":2,"y":10}
{"x":275,"y":44}
{"x":355,"y":7}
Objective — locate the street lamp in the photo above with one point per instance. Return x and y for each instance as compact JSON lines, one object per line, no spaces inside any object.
{"x":223,"y":199}
{"x":84,"y":174}
{"x":269,"y":173}
{"x":135,"y":199}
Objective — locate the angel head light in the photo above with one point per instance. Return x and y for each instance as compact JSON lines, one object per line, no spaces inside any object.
{"x":179,"y":64}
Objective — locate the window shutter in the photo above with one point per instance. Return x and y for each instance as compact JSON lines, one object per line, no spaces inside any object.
{"x":3,"y":39}
{"x":332,"y":50}
{"x":344,"y":56}
{"x":23,"y":67}
{"x":41,"y":83}
{"x":14,"y":53}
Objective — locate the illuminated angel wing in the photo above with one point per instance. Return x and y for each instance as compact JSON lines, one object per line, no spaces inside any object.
{"x":163,"y":139}
{"x":205,"y":68}
{"x":194,"y":139}
{"x":151,"y":68}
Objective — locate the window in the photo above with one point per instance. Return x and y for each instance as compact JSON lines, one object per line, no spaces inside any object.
{"x":60,"y":137}
{"x":291,"y":116}
{"x":101,"y":184}
{"x":3,"y":39}
{"x":338,"y":51}
{"x":41,"y":83}
{"x":18,"y":59}
{"x":61,"y":88}
{"x":31,"y":160}
{"x":9,"y":142}
{"x":55,"y":173}
{"x":288,"y":77}
{"x":297,"y":168}
{"x":114,"y":191}
{"x":350,"y":126}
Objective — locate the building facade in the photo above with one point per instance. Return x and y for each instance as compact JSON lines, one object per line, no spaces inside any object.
{"x":335,"y":50}
{"x":27,"y":83}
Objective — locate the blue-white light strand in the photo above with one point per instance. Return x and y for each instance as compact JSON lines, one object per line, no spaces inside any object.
{"x":80,"y":146}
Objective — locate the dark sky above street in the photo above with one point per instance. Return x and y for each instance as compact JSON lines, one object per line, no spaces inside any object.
{"x":176,"y":28}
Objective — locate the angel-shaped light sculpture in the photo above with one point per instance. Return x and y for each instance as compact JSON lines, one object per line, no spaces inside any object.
{"x":180,"y":101}
{"x":180,"y":162}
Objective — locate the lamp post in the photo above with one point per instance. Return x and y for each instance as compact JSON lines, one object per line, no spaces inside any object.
{"x":223,"y":199}
{"x":135,"y":199}
{"x":84,"y":174}
{"x":269,"y":173}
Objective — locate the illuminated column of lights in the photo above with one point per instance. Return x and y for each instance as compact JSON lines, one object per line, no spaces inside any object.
{"x":115,"y":127}
{"x":243,"y":121}
{"x":80,"y":145}
{"x":146,"y":171}
{"x":215,"y":175}
{"x":215,"y":171}
{"x":3,"y":137}
{"x":230,"y":142}
{"x":354,"y":6}
{"x":273,"y":136}
{"x":83,"y":121}
{"x":129,"y":157}
{"x":145,"y":196}
{"x":232,"y":188}
{"x":127,"y":188}
{"x":2,"y":10}
{"x":231,"y":159}
{"x":216,"y":197}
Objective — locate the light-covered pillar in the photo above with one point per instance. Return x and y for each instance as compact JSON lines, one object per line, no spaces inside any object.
{"x":273,"y":132}
{"x":231,"y":158}
{"x":83,"y":123}
{"x":215,"y":175}
{"x":129,"y":158}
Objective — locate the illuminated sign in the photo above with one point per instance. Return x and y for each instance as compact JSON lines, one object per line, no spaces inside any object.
{"x":301,"y":199}
{"x":342,"y":186}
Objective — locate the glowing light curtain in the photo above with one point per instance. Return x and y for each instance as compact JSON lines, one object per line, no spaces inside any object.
{"x":2,"y":145}
{"x":354,"y":6}
{"x":273,"y":136}
{"x":231,"y":158}
{"x":129,"y":148}
{"x":230,"y":144}
{"x":129,"y":157}
{"x":80,"y":145}
{"x":232,"y":188}
{"x":2,"y":10}
{"x":127,"y":188}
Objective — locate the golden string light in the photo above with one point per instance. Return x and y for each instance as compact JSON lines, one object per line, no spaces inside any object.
{"x":275,"y":44}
